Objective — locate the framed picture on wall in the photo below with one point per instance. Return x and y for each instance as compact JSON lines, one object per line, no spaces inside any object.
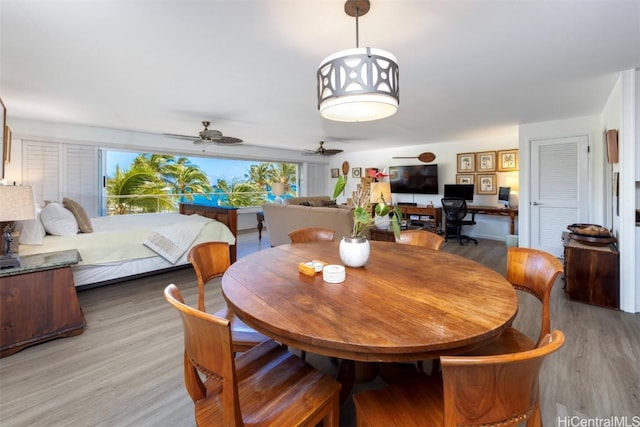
{"x":335,"y":172}
{"x":462,"y":178}
{"x":507,"y":160}
{"x":466,"y":162}
{"x":486,"y":161}
{"x":356,"y":172}
{"x":486,"y":184}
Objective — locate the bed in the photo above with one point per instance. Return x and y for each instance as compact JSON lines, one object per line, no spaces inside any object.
{"x":125,"y":246}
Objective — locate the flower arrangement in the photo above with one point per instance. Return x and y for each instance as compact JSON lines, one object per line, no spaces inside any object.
{"x":362,"y":217}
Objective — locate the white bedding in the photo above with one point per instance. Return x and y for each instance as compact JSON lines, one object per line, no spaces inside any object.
{"x":115,"y":249}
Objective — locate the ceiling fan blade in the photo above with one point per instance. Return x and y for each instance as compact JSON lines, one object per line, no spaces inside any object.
{"x":173,"y":135}
{"x":332,"y":151}
{"x":228,"y":140}
{"x":225,"y":140}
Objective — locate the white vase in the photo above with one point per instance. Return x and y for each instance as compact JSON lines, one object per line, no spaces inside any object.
{"x":354,"y":251}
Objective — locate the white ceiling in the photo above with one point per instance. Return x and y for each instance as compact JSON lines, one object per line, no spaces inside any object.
{"x":468,"y":69}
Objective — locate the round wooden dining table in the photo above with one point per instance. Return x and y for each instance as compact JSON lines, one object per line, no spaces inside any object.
{"x":407,"y":303}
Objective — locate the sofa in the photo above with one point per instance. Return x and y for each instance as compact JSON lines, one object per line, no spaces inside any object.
{"x":280,"y":219}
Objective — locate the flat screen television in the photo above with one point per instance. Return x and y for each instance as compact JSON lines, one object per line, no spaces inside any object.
{"x":463,"y":191}
{"x":414,"y":179}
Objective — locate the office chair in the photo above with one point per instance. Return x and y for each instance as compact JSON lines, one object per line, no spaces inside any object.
{"x":455,"y":210}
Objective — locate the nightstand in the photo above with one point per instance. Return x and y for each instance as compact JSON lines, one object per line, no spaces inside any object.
{"x":38,"y":301}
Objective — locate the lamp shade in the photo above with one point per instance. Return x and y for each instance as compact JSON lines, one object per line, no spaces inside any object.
{"x":17,"y":203}
{"x":277,"y":188}
{"x":381,"y":189}
{"x":358,"y":85}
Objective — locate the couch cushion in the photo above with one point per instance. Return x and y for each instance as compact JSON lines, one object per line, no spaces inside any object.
{"x":313,"y":200}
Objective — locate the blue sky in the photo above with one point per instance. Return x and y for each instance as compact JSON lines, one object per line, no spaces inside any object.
{"x":216,"y":169}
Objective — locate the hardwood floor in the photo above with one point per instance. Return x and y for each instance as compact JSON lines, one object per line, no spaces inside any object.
{"x":126,"y":368}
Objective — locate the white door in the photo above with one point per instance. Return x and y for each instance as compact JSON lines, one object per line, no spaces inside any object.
{"x":559,"y":189}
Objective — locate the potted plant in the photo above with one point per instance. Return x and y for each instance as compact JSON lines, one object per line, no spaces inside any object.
{"x":354,"y":249}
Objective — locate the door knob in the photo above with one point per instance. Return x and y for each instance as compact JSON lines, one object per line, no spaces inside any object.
{"x":536,"y":203}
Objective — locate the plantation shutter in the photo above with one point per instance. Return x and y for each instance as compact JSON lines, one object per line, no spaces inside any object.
{"x":58,"y":170}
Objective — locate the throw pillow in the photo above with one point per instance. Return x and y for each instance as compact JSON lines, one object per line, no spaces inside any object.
{"x":84,"y":223}
{"x":31,"y":231}
{"x":306,"y":204}
{"x":329,"y":204}
{"x":58,"y":221}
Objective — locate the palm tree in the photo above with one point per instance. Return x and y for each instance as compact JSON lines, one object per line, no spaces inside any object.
{"x":260,"y":174}
{"x":186,"y":179}
{"x":240,"y":193}
{"x":134,"y":182}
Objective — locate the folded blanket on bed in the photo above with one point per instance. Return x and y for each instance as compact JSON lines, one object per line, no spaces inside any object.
{"x":172,"y":241}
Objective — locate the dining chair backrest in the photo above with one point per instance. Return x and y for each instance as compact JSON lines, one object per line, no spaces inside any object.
{"x":207,"y":348}
{"x":495,"y":390}
{"x":311,"y":234}
{"x":265,"y":385}
{"x":535,"y":272}
{"x":422,"y":238}
{"x":209,"y":260}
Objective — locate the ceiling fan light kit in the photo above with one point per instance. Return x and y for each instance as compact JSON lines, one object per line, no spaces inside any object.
{"x":361,"y":84}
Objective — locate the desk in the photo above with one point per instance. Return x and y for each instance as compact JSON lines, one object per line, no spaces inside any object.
{"x":407,"y":303}
{"x":492,"y":210}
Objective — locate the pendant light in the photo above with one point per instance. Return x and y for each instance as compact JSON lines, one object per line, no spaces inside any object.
{"x":361,"y":84}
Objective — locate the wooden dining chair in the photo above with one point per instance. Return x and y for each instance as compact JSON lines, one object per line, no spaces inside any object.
{"x":311,"y":234}
{"x":421,"y":238}
{"x":265,"y":385}
{"x":425,"y":239}
{"x":534,"y":272}
{"x":474,"y":390}
{"x":211,"y":260}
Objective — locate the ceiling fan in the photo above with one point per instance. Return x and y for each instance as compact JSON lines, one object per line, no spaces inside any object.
{"x":323,"y":151}
{"x":211,"y":136}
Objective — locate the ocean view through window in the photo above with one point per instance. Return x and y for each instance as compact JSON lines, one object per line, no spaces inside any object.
{"x":145,"y":182}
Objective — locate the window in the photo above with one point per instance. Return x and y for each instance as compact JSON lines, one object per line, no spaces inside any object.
{"x":144,"y":182}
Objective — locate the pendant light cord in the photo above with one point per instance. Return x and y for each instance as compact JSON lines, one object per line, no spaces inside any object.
{"x":357,"y":29}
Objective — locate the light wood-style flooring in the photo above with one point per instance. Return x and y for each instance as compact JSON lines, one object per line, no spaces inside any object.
{"x":126,"y":368}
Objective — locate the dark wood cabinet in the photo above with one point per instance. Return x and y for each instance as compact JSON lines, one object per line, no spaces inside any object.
{"x":225,"y":214}
{"x":592,"y":273}
{"x":429,"y":217}
{"x":38,"y":301}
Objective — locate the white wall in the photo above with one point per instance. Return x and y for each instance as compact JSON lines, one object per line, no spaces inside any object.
{"x":489,"y":227}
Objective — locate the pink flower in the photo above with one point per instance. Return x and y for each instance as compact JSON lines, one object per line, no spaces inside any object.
{"x":378,"y":176}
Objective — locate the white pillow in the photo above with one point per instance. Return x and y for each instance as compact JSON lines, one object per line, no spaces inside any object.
{"x":31,"y":231}
{"x":58,"y":221}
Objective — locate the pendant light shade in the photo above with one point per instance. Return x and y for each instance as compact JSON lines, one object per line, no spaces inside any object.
{"x":361,"y":84}
{"x":358,"y":85}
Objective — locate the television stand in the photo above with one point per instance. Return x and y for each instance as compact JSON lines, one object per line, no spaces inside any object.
{"x":429,"y":217}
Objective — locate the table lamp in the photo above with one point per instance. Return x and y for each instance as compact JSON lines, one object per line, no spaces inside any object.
{"x":277,"y":189}
{"x":379,"y":189}
{"x":17,"y":203}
